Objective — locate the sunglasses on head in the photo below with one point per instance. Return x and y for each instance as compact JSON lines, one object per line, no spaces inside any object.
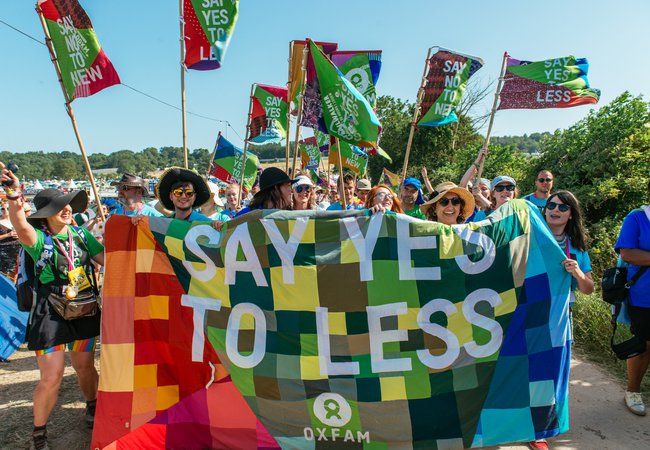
{"x":505,"y":187}
{"x":444,"y":201}
{"x":301,"y":188}
{"x":563,"y":207}
{"x":180,"y":191}
{"x":547,"y":180}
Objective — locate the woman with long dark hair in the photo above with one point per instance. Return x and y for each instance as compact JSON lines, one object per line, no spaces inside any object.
{"x":274,"y":193}
{"x":563,"y":215}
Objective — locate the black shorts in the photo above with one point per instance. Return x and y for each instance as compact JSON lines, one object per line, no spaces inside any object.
{"x":640,"y":318}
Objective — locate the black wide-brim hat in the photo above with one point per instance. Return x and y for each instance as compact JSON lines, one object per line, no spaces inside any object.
{"x":132,"y":180}
{"x":273,"y":176}
{"x":49,"y":202}
{"x":176,"y":174}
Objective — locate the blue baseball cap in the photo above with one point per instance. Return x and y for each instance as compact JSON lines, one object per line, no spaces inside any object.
{"x":501,"y":179}
{"x":416,"y":184}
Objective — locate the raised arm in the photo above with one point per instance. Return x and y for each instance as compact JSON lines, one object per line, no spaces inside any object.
{"x":26,"y":233}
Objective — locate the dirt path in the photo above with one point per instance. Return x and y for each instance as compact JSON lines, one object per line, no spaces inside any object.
{"x":599,"y":419}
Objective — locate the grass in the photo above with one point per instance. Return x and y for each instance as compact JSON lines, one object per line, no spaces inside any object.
{"x":592,"y":333}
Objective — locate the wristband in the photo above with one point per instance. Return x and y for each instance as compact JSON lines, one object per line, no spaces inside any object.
{"x":13,"y":194}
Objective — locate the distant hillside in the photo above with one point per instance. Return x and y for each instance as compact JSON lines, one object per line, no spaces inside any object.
{"x":526,"y":143}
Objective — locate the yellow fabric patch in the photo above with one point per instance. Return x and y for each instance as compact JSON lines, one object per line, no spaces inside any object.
{"x":310,"y":368}
{"x":146,"y":376}
{"x":159,"y":307}
{"x":336,"y":324}
{"x":305,"y":288}
{"x":166,"y":396}
{"x":115,"y":361}
{"x":393,"y":388}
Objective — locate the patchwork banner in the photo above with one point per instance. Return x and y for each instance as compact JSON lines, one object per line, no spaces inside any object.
{"x":362,"y":69}
{"x":228,"y":164}
{"x":308,"y":329}
{"x":295,"y":82}
{"x":268,"y":114}
{"x":208,"y":27}
{"x":85,"y":69}
{"x":446,"y":80}
{"x":554,"y":83}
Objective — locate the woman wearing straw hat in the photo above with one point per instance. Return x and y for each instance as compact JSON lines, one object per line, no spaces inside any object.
{"x":450,"y":205}
{"x":63,"y":254}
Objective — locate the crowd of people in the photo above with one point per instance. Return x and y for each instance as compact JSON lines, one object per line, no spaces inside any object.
{"x":76,"y":252}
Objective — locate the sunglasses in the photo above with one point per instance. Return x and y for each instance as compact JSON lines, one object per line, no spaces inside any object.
{"x":128,"y":188}
{"x":561,"y":206}
{"x":444,"y":201}
{"x":547,"y":180}
{"x":299,"y":189}
{"x":383,"y":195}
{"x":506,"y":187}
{"x":180,"y":191}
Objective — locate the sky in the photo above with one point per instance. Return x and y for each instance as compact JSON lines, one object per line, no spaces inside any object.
{"x":141,"y":37}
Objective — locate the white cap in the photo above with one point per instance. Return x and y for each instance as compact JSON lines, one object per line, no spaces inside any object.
{"x":302,"y":180}
{"x":214,"y":191}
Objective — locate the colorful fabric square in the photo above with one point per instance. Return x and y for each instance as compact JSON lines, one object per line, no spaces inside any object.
{"x":85,"y":69}
{"x":446,"y":80}
{"x":268,"y":114}
{"x":228,"y":164}
{"x":207,"y":29}
{"x":354,"y":158}
{"x":368,"y":331}
{"x":333,"y":105}
{"x":391,"y":179}
{"x":553,"y":83}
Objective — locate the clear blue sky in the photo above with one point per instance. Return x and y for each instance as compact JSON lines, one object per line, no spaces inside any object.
{"x":141,"y":37}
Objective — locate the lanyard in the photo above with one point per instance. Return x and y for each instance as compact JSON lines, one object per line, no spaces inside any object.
{"x":68,"y":254}
{"x":566,"y":247}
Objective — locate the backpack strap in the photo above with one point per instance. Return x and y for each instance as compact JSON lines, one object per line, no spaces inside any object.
{"x":46,"y":255}
{"x":636,"y":276}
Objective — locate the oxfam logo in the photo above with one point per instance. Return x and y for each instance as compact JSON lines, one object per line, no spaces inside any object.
{"x":332,"y":409}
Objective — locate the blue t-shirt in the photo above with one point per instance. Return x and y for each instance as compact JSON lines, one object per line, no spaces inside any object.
{"x":584,"y":262}
{"x":635,"y":233}
{"x":337,"y":207}
{"x":539,"y":202}
{"x":145,"y":211}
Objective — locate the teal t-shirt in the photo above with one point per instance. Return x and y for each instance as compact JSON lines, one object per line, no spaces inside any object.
{"x":47,"y":275}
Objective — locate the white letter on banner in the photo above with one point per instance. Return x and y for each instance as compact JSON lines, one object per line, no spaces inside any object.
{"x":327,"y":366}
{"x":200,"y":305}
{"x":191,"y":239}
{"x":450,"y":339}
{"x":232,"y":336}
{"x":490,"y":325}
{"x":364,"y":245}
{"x":241,"y":236}
{"x":286,"y":250}
{"x":483,"y":241}
{"x":379,"y":337}
{"x":406,"y":243}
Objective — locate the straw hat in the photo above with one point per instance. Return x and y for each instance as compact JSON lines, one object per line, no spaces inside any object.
{"x":443,"y":189}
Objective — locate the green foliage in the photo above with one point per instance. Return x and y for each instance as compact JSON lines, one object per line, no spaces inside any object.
{"x":524,"y":144}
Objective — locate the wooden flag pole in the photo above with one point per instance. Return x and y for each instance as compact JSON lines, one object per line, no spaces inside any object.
{"x":68,"y":107}
{"x":303,"y":77}
{"x":342,"y":199}
{"x":287,"y":146}
{"x":416,"y":114}
{"x":494,"y":110}
{"x":214,"y":152}
{"x":248,"y":136}
{"x":184,"y":121}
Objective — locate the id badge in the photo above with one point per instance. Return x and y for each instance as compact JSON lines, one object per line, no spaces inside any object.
{"x":79,"y":279}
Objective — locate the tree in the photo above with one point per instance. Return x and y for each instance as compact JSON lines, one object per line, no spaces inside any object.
{"x":66,"y":169}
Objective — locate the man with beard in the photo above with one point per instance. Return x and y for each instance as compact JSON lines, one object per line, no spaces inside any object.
{"x":543,"y":188}
{"x":130,"y":191}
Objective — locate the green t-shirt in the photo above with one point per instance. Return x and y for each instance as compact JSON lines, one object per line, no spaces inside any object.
{"x":47,"y":275}
{"x":415,"y":212}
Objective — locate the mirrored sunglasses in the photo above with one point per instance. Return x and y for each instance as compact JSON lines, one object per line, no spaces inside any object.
{"x":445,"y":201}
{"x":301,"y":188}
{"x":505,"y":187}
{"x":179,"y":192}
{"x":563,"y":207}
